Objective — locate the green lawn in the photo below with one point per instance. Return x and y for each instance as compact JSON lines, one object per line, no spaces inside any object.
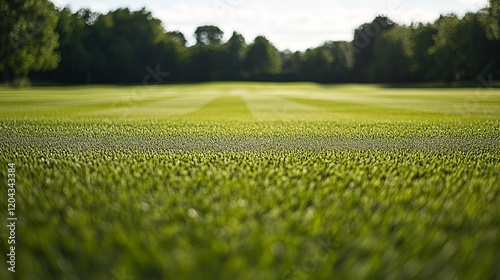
{"x":252,"y":181}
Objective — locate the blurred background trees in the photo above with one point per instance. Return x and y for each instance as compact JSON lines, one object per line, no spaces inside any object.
{"x":262,"y":59}
{"x":365,"y":37}
{"x":124,"y":46}
{"x":28,"y":38}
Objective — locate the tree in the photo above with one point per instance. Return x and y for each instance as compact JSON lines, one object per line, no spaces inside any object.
{"x":132,"y":44}
{"x":27,"y":37}
{"x":291,"y":64}
{"x":363,"y":43}
{"x":493,"y":23}
{"x":235,"y":48}
{"x":343,"y":59}
{"x":476,"y":48}
{"x":419,"y":44}
{"x":461,"y":48}
{"x":76,"y":59}
{"x":178,"y":36}
{"x":121,"y":46}
{"x":316,"y":64}
{"x":207,"y":57}
{"x":390,"y":56}
{"x":208,"y":35}
{"x":445,"y":49}
{"x":263,"y":58}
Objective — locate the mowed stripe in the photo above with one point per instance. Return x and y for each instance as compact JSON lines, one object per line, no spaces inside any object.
{"x":352,"y":110}
{"x":108,"y":104}
{"x":433,"y":101}
{"x":223,"y":108}
{"x":131,"y":106}
{"x":269,"y":107}
{"x":162,"y":108}
{"x":187,"y":103}
{"x":400,"y":102}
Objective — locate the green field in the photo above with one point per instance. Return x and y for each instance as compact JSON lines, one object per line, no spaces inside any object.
{"x":252,"y":181}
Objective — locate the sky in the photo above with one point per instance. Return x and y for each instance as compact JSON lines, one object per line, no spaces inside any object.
{"x":290,"y":24}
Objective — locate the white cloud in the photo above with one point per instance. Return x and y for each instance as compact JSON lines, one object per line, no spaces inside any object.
{"x":60,"y":3}
{"x":98,"y":7}
{"x":480,"y":3}
{"x":417,"y":14}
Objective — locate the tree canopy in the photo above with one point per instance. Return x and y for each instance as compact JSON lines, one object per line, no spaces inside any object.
{"x":27,"y":37}
{"x":262,"y":58}
{"x":124,"y":46}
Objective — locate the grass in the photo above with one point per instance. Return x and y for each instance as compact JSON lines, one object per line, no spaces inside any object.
{"x":252,"y":181}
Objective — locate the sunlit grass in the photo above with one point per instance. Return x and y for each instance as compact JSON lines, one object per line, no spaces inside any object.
{"x":253,"y":181}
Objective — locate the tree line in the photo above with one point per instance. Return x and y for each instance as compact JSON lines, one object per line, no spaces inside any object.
{"x":44,"y":43}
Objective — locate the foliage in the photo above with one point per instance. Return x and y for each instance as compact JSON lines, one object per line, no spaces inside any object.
{"x":27,"y":38}
{"x":493,"y":21}
{"x":457,"y":45}
{"x":124,"y":46}
{"x":420,"y":43}
{"x":316,"y":64}
{"x":364,"y":42}
{"x":236,"y":51}
{"x":177,"y":35}
{"x":390,"y":57}
{"x":208,"y":35}
{"x":262,"y":58}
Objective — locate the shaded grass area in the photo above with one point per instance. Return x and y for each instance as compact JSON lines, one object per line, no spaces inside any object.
{"x":224,"y":107}
{"x":236,"y":143}
{"x":351,"y":109}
